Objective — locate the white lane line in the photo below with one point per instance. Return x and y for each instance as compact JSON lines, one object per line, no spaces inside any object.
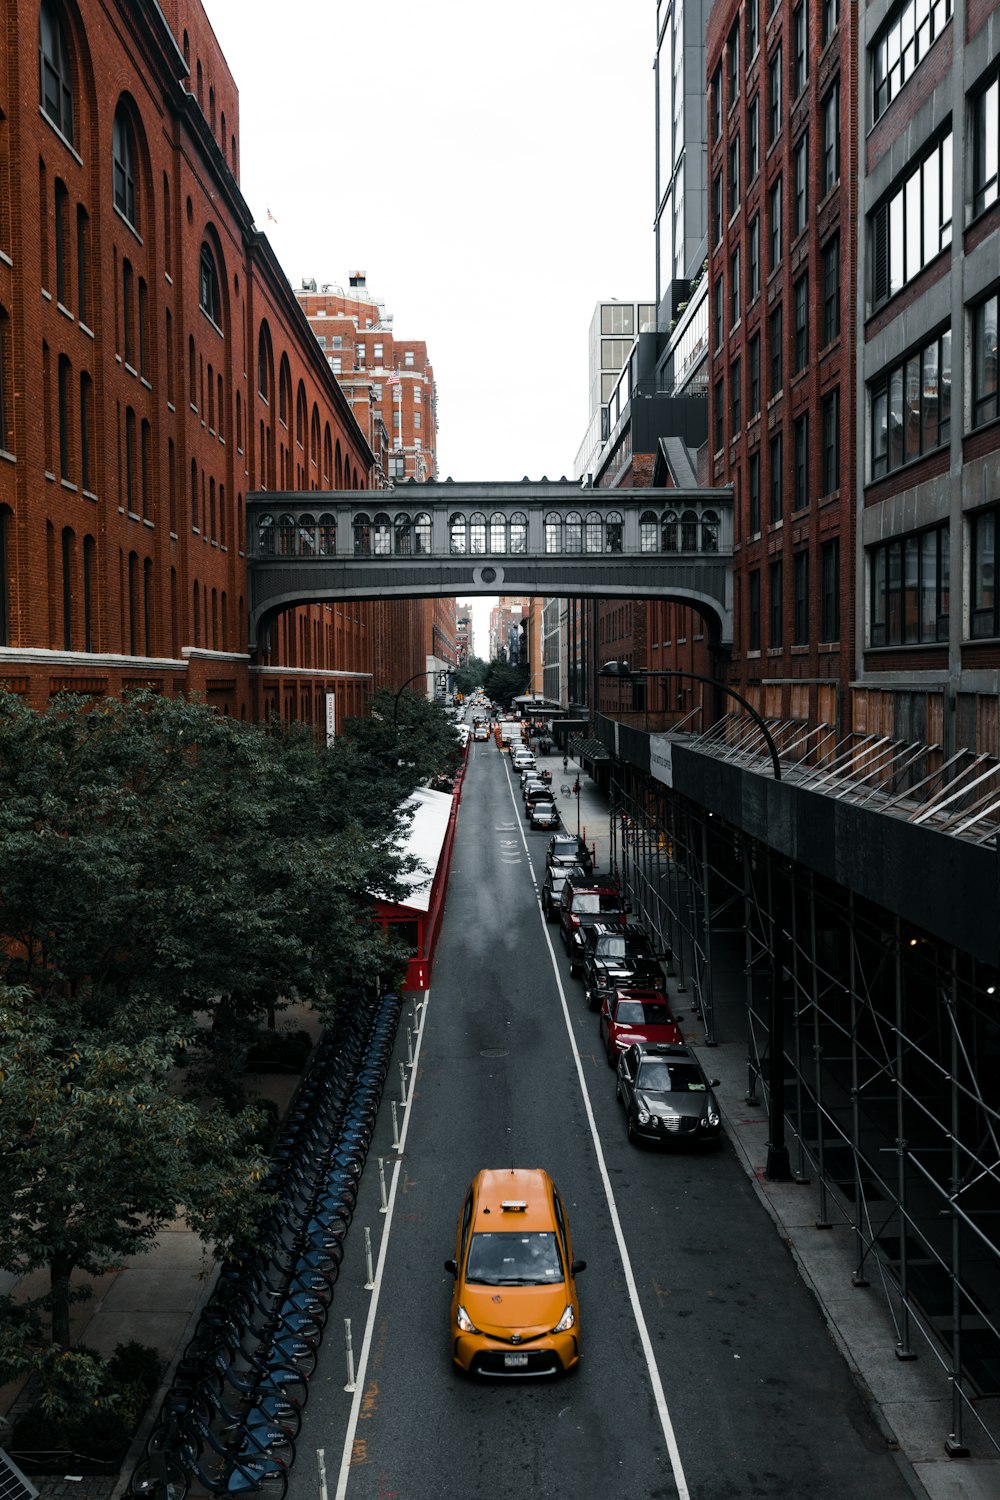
{"x":359,"y":1379}
{"x":683,"y":1493}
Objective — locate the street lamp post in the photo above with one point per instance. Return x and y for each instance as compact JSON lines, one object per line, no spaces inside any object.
{"x":415,"y":678}
{"x":778,"y":1167}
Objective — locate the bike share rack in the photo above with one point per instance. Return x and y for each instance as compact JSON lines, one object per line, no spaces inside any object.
{"x":242,"y":1382}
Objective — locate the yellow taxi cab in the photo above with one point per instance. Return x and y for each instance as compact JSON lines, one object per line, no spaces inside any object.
{"x":514,"y":1309}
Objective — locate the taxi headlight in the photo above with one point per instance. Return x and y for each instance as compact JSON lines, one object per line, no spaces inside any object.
{"x":566,"y":1322}
{"x":464,"y":1322}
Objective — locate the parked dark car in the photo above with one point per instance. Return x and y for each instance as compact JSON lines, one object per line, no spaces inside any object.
{"x":616,"y":955}
{"x":536,"y":792}
{"x":555,"y":878}
{"x":666,"y":1095}
{"x":543,"y":813}
{"x":581,"y":904}
{"x":569,"y":849}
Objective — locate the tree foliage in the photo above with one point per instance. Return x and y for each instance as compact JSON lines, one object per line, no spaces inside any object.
{"x":471,"y":675}
{"x":504,"y":682}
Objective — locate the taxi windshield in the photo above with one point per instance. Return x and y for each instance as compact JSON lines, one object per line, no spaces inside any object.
{"x":514,"y":1259}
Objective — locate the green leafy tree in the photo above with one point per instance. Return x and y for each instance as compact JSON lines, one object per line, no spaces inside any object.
{"x":100,"y":1150}
{"x":504,"y":682}
{"x":409,"y":738}
{"x":471,"y":675}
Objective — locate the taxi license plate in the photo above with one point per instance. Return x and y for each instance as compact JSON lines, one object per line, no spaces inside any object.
{"x":515,"y":1361}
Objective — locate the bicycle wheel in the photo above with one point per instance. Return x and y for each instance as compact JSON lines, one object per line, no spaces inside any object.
{"x":159,"y":1478}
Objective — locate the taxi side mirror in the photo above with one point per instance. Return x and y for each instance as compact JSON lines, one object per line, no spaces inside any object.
{"x":451,"y":1266}
{"x":578,"y":1266}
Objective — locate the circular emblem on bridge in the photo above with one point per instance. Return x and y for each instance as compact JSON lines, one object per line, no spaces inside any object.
{"x":488,"y":574}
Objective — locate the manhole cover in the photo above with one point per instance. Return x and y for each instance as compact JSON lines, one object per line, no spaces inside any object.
{"x":494,"y":1052}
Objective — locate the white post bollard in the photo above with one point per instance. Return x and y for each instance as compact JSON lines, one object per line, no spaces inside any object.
{"x":350,"y":1386}
{"x":370,"y":1283}
{"x":383,"y":1200}
{"x":321,"y":1461}
{"x":409,"y":1047}
{"x":395,"y":1125}
{"x":402,"y":1084}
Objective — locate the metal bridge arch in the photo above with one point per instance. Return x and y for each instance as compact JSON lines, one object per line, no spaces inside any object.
{"x":551,"y":538}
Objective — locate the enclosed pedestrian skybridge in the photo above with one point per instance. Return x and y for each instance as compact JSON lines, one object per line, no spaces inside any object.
{"x":553,"y":538}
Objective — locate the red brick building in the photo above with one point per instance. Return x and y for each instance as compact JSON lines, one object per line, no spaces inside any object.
{"x":155,"y":367}
{"x":782,"y":113}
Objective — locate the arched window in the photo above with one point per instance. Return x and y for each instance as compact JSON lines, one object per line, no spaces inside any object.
{"x":89,"y":579}
{"x":404,"y":534}
{"x":284,"y":391}
{"x":301,"y":416}
{"x":574,"y":532}
{"x":314,"y":437}
{"x":614,"y":531}
{"x":55,"y":80}
{"x":498,"y":532}
{"x":327,"y":455}
{"x":197,"y":613}
{"x":362,"y":535}
{"x":382,"y":535}
{"x":553,"y":532}
{"x":668,"y":531}
{"x":647,"y":531}
{"x":264,"y":363}
{"x":519,"y":532}
{"x":123,"y":166}
{"x":477,"y":533}
{"x":5,"y":517}
{"x":286,"y":535}
{"x":458,"y":533}
{"x":422,"y":531}
{"x":594,"y":532}
{"x":307,"y":536}
{"x":209,"y":295}
{"x":709,"y":531}
{"x":68,"y":587}
{"x":689,"y":531}
{"x":327,"y":535}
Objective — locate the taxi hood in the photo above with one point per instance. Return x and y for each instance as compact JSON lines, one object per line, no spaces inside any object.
{"x":530,"y":1310}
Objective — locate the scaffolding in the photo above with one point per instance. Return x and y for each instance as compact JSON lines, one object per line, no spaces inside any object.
{"x":888,"y":1039}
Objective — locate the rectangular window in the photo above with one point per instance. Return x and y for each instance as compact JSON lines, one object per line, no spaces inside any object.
{"x":911,"y":29}
{"x":753,"y":494}
{"x":910,"y":407}
{"x":735,"y":397}
{"x":984,"y":361}
{"x":128,"y":314}
{"x":717,"y":207}
{"x":912,"y":224}
{"x":775,"y":634}
{"x":6,"y":406}
{"x":753,"y":356}
{"x":753,"y":611}
{"x":777,"y":500}
{"x":82,"y":265}
{"x":735,"y":279}
{"x":800,"y":623}
{"x":86,"y":433}
{"x":830,"y":15}
{"x":717,"y":304}
{"x":801,"y":203}
{"x":774,"y":336}
{"x":831,"y":292}
{"x":800,"y":348}
{"x":831,"y":139}
{"x":984,"y":538}
{"x":909,"y":584}
{"x":717,"y":104}
{"x":800,"y":474}
{"x":774,"y":200}
{"x":753,"y":260}
{"x":733,"y":64}
{"x":830,"y":614}
{"x":720,"y":415}
{"x":734,"y":175}
{"x":985,"y":109}
{"x":65,"y":398}
{"x":800,"y":58}
{"x":830,"y":414}
{"x":753,"y":29}
{"x":753,"y":138}
{"x":63,"y":294}
{"x":774,"y":97}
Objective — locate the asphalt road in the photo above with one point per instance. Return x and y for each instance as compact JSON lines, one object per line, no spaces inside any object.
{"x":707,"y":1370}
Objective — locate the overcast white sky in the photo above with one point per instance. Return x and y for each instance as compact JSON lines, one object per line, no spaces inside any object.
{"x":489,"y":167}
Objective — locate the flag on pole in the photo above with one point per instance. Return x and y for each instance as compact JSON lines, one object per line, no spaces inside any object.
{"x":271,"y":218}
{"x":393,"y":378}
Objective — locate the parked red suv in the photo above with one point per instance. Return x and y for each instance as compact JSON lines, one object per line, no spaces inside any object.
{"x":583,"y":901}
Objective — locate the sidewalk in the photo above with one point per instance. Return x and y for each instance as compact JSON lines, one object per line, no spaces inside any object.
{"x":912,"y":1398}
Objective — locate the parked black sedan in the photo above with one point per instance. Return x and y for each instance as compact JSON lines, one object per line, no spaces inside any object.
{"x":666,"y":1095}
{"x":615,"y":955}
{"x":569,"y":849}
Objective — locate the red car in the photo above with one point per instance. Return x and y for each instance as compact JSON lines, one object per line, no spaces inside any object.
{"x":629,"y":1016}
